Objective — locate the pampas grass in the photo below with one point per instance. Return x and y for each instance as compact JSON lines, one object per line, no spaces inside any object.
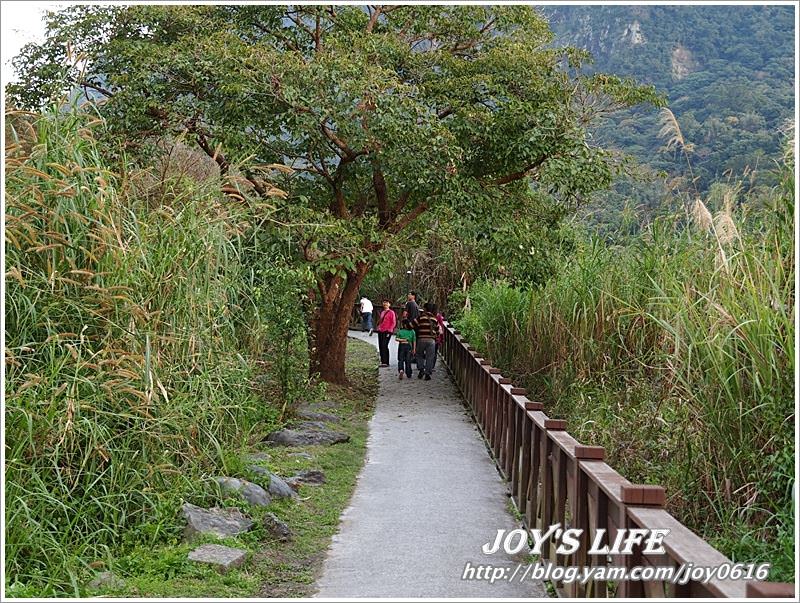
{"x":125,"y":376}
{"x":671,"y":131}
{"x":702,"y":217}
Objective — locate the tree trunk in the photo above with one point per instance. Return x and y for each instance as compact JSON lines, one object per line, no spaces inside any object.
{"x":329,"y":326}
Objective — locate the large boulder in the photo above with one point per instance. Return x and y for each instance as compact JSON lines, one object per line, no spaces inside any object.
{"x":216,"y":521}
{"x":252,"y":493}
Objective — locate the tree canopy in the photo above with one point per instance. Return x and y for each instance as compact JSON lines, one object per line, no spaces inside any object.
{"x":353,"y":120}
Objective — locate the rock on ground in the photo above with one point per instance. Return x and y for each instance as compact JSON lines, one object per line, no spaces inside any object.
{"x":312,"y":477}
{"x":259,"y":470}
{"x":223,"y":557}
{"x":252,"y":493}
{"x":279,"y":488}
{"x":323,"y":405}
{"x":216,"y":521}
{"x":312,"y":415}
{"x":306,"y":436}
{"x":257,"y":457}
{"x":277,"y":528}
{"x":106,"y":580}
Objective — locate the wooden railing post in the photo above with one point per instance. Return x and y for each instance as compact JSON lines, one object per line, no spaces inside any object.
{"x":532,"y":513}
{"x":514,"y":413}
{"x":521,"y":491}
{"x":634,"y":495}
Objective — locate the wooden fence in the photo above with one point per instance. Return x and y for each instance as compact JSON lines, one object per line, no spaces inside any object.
{"x":553,"y":479}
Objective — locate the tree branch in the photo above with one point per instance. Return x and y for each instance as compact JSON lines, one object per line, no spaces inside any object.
{"x":339,"y":206}
{"x":402,"y":200}
{"x":518,"y":175}
{"x":297,"y":20}
{"x":215,"y":154}
{"x":87,"y":84}
{"x":373,"y":18}
{"x":381,"y":194}
{"x":322,"y":169}
{"x":340,"y":144}
{"x":407,"y":219}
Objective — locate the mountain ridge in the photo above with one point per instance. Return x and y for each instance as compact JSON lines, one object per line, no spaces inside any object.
{"x":727,"y":71}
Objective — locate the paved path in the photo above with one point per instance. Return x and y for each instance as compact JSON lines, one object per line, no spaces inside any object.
{"x":426,"y":500}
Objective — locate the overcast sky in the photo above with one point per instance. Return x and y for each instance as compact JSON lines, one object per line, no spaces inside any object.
{"x":20,"y":23}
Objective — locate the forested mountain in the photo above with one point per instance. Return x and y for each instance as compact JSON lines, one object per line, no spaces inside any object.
{"x":727,"y":71}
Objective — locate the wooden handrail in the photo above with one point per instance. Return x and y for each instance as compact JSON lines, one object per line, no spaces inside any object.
{"x":553,"y":478}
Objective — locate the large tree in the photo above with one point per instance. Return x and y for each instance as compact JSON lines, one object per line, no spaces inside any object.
{"x":382,"y":113}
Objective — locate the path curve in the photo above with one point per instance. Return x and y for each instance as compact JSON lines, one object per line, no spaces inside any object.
{"x":426,"y":500}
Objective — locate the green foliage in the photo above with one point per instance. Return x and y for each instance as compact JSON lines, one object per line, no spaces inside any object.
{"x":676,"y":353}
{"x":281,"y":295}
{"x":382,"y":114}
{"x":501,"y":317}
{"x":522,"y":242}
{"x":127,"y":378}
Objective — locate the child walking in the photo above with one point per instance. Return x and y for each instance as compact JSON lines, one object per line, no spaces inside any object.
{"x":406,"y":347}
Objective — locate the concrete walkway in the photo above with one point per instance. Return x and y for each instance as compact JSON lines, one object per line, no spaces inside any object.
{"x":427,"y":499}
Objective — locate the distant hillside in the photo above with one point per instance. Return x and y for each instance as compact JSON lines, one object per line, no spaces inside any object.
{"x":728,"y":72}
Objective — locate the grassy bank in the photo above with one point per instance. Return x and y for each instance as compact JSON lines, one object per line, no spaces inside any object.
{"x":676,"y":353}
{"x":273,"y":568}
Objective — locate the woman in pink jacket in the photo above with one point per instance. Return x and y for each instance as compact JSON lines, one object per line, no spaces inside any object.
{"x":386,"y":326}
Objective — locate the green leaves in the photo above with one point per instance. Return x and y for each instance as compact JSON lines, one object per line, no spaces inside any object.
{"x":382,"y":116}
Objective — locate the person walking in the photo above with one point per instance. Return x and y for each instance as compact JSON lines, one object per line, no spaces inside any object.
{"x":406,"y":347}
{"x":387,"y":322}
{"x":440,"y":337}
{"x":427,"y":329}
{"x":411,"y":306}
{"x":412,"y":311}
{"x":366,"y":315}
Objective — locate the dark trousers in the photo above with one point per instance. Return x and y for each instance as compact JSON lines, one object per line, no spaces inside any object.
{"x":426,"y":355}
{"x":366,"y":321}
{"x":383,"y":346}
{"x":404,"y":358}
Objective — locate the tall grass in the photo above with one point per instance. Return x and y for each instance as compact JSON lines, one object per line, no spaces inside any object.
{"x":125,"y":377}
{"x":676,"y":353}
